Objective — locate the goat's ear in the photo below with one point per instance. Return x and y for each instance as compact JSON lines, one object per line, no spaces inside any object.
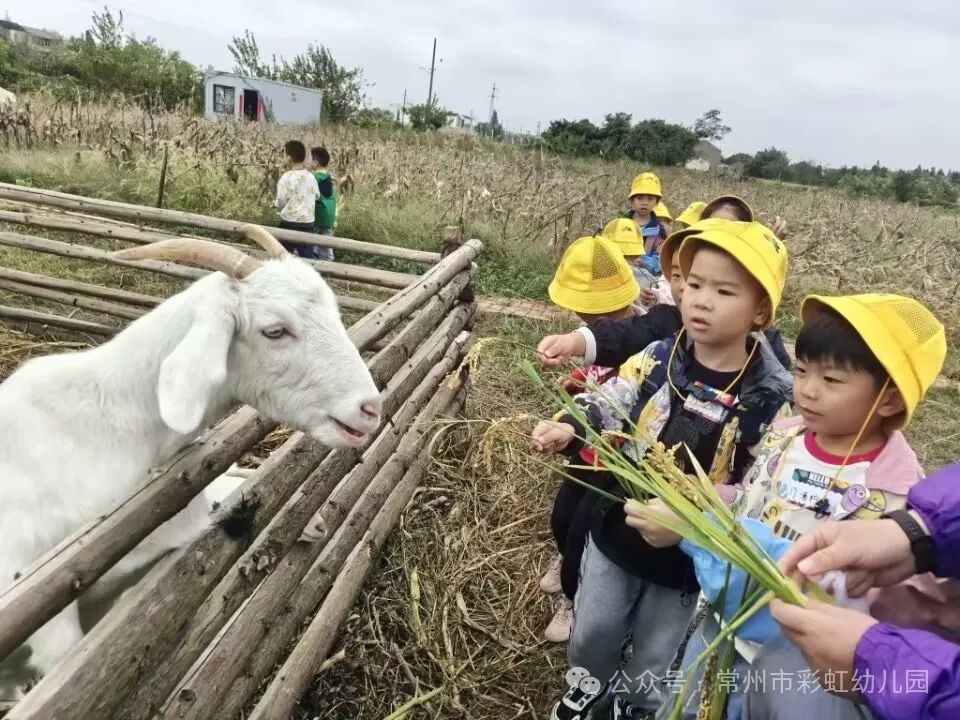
{"x":192,"y":374}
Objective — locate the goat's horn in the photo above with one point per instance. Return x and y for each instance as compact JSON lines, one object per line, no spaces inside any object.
{"x":262,"y":237}
{"x":204,"y":253}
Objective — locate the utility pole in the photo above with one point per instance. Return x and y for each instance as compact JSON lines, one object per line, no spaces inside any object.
{"x":433,"y":67}
{"x":493,"y":98}
{"x":403,"y":111}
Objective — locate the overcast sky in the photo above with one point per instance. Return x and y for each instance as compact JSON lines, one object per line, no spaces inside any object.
{"x":840,"y":82}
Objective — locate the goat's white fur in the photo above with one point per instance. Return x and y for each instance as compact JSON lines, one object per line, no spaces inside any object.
{"x":79,"y":432}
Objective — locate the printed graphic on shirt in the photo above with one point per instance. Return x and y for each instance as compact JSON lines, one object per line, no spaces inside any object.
{"x":792,"y":491}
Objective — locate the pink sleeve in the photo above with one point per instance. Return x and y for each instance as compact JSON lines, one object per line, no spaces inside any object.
{"x":727,"y":493}
{"x":664,"y":296}
{"x":923,"y":602}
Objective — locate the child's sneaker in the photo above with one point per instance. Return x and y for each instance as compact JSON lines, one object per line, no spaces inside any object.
{"x":558,"y":631}
{"x":622,"y":710}
{"x":550,"y":583}
{"x":576,"y":704}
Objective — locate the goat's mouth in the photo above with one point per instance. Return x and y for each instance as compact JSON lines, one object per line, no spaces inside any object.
{"x":349,"y":434}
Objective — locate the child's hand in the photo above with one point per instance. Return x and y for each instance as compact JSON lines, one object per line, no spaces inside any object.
{"x":779,"y":227}
{"x":655,"y":535}
{"x":555,"y":350}
{"x":551,"y":437}
{"x":648,"y":297}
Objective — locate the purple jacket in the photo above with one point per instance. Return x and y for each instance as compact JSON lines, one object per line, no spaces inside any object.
{"x":912,"y":673}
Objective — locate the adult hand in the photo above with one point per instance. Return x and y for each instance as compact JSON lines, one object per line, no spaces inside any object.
{"x":551,"y":437}
{"x":874,"y":553}
{"x":655,"y":534}
{"x":827,"y":635}
{"x":555,"y":350}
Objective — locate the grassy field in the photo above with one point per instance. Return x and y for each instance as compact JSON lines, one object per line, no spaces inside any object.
{"x":477,"y":540}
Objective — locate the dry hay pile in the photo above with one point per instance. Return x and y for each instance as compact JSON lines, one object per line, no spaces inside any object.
{"x":17,"y":347}
{"x":454,"y":606}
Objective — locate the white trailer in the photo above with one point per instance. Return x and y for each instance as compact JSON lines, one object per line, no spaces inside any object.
{"x":227,"y":95}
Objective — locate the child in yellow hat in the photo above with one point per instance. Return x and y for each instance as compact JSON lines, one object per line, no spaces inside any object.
{"x":654,"y":288}
{"x":732,"y":207}
{"x":612,"y":343}
{"x":690,"y":216}
{"x":864,"y":362}
{"x":713,"y":387}
{"x":645,"y":196}
{"x":595,"y":282}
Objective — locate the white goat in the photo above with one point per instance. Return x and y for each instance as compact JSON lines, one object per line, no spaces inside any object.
{"x":79,"y":432}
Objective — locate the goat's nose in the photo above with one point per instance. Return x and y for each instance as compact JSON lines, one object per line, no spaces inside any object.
{"x":372,"y":408}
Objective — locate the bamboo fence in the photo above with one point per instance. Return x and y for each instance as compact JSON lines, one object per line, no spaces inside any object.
{"x":208,"y":627}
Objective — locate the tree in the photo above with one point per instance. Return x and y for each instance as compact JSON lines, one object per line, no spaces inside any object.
{"x":428,"y":117}
{"x":615,"y":134}
{"x":104,"y":61}
{"x":315,"y":68}
{"x":374,"y":118}
{"x":738,"y":159}
{"x":904,"y":186}
{"x":658,"y":142}
{"x":574,"y":137}
{"x":772,"y":164}
{"x":709,"y":126}
{"x":246,"y":57}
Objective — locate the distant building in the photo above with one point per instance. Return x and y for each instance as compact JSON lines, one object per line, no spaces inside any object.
{"x":34,"y":38}
{"x":706,"y":156}
{"x":227,"y":95}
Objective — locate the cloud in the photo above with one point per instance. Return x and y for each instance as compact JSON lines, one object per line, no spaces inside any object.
{"x":840,"y":83}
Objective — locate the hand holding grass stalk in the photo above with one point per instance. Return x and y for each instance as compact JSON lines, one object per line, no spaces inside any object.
{"x":551,"y":437}
{"x":653,"y":531}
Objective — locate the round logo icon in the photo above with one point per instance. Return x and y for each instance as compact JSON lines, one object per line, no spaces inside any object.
{"x":576,"y":675}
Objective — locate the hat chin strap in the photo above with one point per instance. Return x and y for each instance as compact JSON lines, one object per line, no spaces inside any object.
{"x":863,"y":429}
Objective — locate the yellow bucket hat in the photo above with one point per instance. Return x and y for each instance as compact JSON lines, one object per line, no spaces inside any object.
{"x":905,"y":337}
{"x":593,"y":278}
{"x":725,"y":200}
{"x":645,"y":184}
{"x":662,"y":212}
{"x":755,"y":247}
{"x":626,"y":235}
{"x":691,"y":216}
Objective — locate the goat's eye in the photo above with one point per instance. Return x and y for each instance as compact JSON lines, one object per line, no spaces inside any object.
{"x":275,"y":333}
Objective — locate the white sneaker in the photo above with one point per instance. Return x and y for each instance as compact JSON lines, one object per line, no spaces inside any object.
{"x":550,"y":582}
{"x":558,"y":631}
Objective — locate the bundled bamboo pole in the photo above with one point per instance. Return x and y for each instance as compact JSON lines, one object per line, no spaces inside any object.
{"x":73,"y":286}
{"x":76,"y":301}
{"x":174,"y":217}
{"x":405,"y":344}
{"x":142,"y":236}
{"x":19,"y":318}
{"x":377,"y":324}
{"x":162,"y":604}
{"x":203,"y":690}
{"x":82,"y":252}
{"x":183,"y":272}
{"x":296,"y":673}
